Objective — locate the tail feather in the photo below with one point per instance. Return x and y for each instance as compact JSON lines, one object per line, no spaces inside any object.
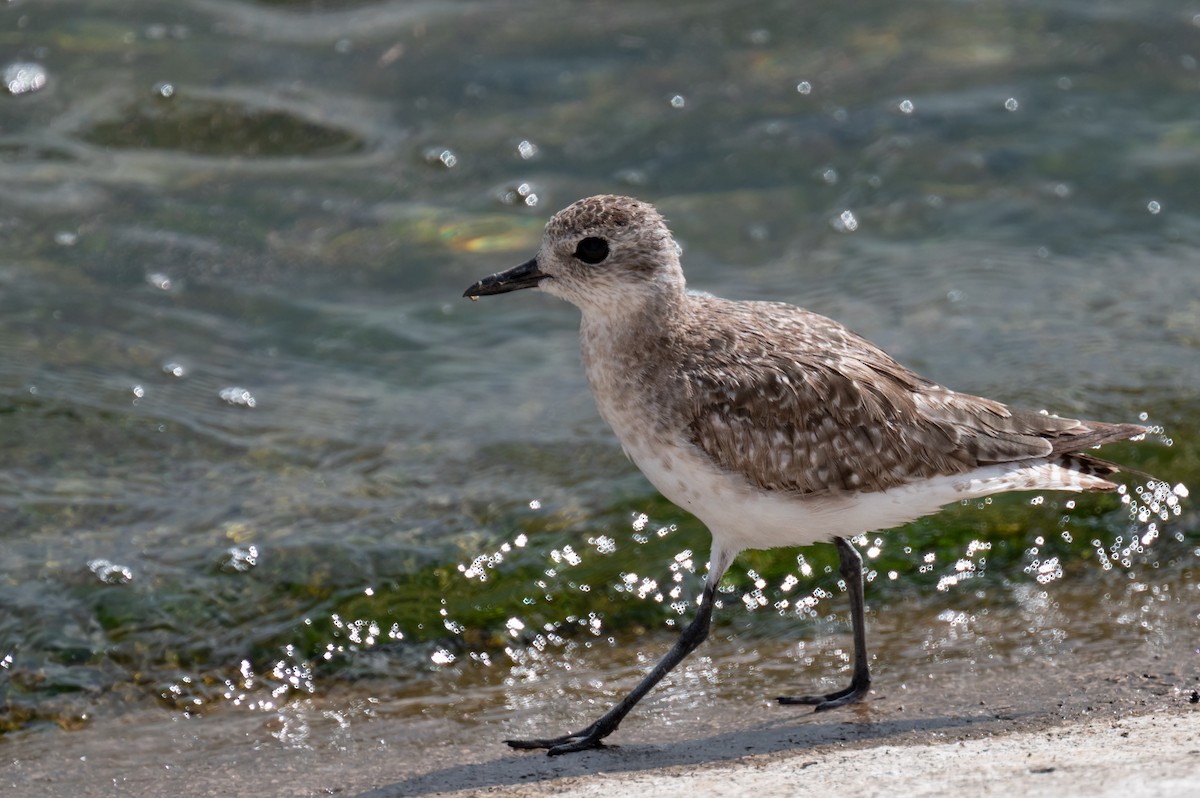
{"x":1093,"y":434}
{"x":1067,"y":453}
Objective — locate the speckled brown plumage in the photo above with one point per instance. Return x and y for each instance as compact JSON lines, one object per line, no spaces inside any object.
{"x":794,"y":401}
{"x":774,"y":425}
{"x":784,"y":399}
{"x":774,"y":395}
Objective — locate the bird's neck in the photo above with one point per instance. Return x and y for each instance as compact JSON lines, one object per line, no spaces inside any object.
{"x":631,"y":351}
{"x":630,"y":362}
{"x":632,"y":323}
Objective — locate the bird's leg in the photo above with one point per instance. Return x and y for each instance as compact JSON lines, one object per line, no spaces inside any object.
{"x":851,"y":571}
{"x":693,"y":635}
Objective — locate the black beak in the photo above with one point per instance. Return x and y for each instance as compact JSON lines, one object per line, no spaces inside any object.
{"x":524,"y":276}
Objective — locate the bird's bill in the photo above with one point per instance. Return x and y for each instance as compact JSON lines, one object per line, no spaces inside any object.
{"x":526,"y":275}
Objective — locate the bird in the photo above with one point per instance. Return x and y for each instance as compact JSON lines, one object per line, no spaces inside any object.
{"x":772,"y":424}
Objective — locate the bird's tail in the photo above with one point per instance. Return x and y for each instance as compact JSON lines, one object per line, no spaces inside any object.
{"x":1094,"y":471}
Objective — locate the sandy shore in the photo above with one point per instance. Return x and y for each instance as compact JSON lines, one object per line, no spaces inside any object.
{"x":1155,"y":755}
{"x":1138,"y":757}
{"x":1128,"y":727}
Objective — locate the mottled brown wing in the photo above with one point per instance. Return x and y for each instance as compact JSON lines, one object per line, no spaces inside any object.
{"x":795,"y":402}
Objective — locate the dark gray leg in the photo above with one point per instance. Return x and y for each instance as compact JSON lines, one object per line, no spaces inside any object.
{"x":851,"y":570}
{"x":693,"y":635}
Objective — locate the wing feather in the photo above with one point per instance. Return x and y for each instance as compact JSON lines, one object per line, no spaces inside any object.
{"x":796,"y":402}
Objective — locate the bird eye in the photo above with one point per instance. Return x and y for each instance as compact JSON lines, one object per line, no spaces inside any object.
{"x":592,"y":250}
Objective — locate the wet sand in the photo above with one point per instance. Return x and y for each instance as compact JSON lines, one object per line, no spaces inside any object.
{"x":1127,"y":727}
{"x":1135,"y":757}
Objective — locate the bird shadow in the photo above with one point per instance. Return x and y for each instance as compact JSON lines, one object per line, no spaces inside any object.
{"x":767,"y":738}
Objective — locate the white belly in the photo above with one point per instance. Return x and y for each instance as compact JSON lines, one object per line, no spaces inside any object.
{"x":740,"y":516}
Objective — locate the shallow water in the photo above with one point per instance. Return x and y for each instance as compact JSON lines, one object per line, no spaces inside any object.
{"x":259,"y":452}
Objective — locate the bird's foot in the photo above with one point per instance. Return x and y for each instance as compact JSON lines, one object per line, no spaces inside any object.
{"x":591,"y":737}
{"x":850,"y":695}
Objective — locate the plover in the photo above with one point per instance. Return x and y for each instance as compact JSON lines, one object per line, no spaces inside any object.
{"x":773,"y":425}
